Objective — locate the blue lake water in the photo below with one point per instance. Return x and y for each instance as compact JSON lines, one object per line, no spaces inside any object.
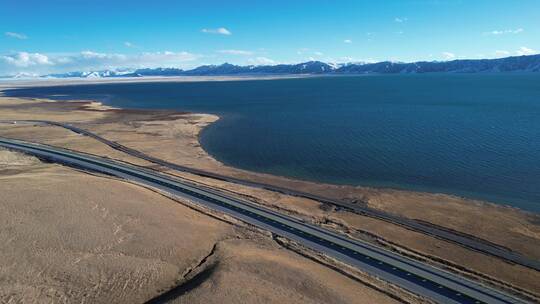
{"x":475,"y":135}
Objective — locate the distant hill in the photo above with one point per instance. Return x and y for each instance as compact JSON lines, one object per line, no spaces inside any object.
{"x":529,"y":63}
{"x":509,"y":64}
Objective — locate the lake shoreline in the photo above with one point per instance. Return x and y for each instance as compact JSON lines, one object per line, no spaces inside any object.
{"x":102,"y":106}
{"x":500,"y":203}
{"x":352,"y":141}
{"x":209,"y":119}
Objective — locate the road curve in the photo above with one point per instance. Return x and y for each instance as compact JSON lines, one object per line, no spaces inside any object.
{"x":455,"y":237}
{"x":419,"y":278}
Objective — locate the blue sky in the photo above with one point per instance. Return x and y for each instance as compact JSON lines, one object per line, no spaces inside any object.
{"x":61,"y":35}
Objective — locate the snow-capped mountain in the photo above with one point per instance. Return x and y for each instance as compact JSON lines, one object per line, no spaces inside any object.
{"x":529,"y":63}
{"x":94,"y":74}
{"x":22,"y":75}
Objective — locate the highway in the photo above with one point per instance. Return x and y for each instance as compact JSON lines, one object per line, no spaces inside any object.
{"x":419,"y":278}
{"x":455,"y":237}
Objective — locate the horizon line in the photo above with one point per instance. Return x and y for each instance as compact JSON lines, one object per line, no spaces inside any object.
{"x":131,"y":70}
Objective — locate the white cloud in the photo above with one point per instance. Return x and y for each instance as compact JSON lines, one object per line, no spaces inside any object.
{"x":129,"y":44}
{"x":24,"y":59}
{"x":102,"y":56}
{"x":235,"y":52}
{"x":522,"y":51}
{"x":16,"y":35}
{"x":163,"y":59}
{"x":448,"y":55}
{"x":501,"y":53}
{"x":348,"y":59}
{"x":502,"y":32}
{"x":220,"y":31}
{"x":302,"y":51}
{"x":261,"y":61}
{"x":400,"y":19}
{"x":308,"y":51}
{"x":525,"y":51}
{"x":90,"y":60}
{"x":347,"y":41}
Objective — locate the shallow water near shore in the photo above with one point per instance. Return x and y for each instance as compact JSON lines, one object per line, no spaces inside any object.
{"x":471,"y":135}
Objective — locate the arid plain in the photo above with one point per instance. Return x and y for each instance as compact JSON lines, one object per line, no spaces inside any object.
{"x":69,"y":235}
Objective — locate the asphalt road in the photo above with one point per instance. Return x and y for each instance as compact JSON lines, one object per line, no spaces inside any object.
{"x":467,"y":241}
{"x":419,"y":278}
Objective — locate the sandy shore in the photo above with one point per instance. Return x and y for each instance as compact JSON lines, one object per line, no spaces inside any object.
{"x":173,"y":136}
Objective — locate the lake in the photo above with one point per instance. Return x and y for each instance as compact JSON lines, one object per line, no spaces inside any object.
{"x":473,"y":135}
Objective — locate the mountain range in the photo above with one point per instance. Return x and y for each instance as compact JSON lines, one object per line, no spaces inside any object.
{"x":530,"y":63}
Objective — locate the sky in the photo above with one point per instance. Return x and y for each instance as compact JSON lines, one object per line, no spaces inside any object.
{"x":53,"y":36}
